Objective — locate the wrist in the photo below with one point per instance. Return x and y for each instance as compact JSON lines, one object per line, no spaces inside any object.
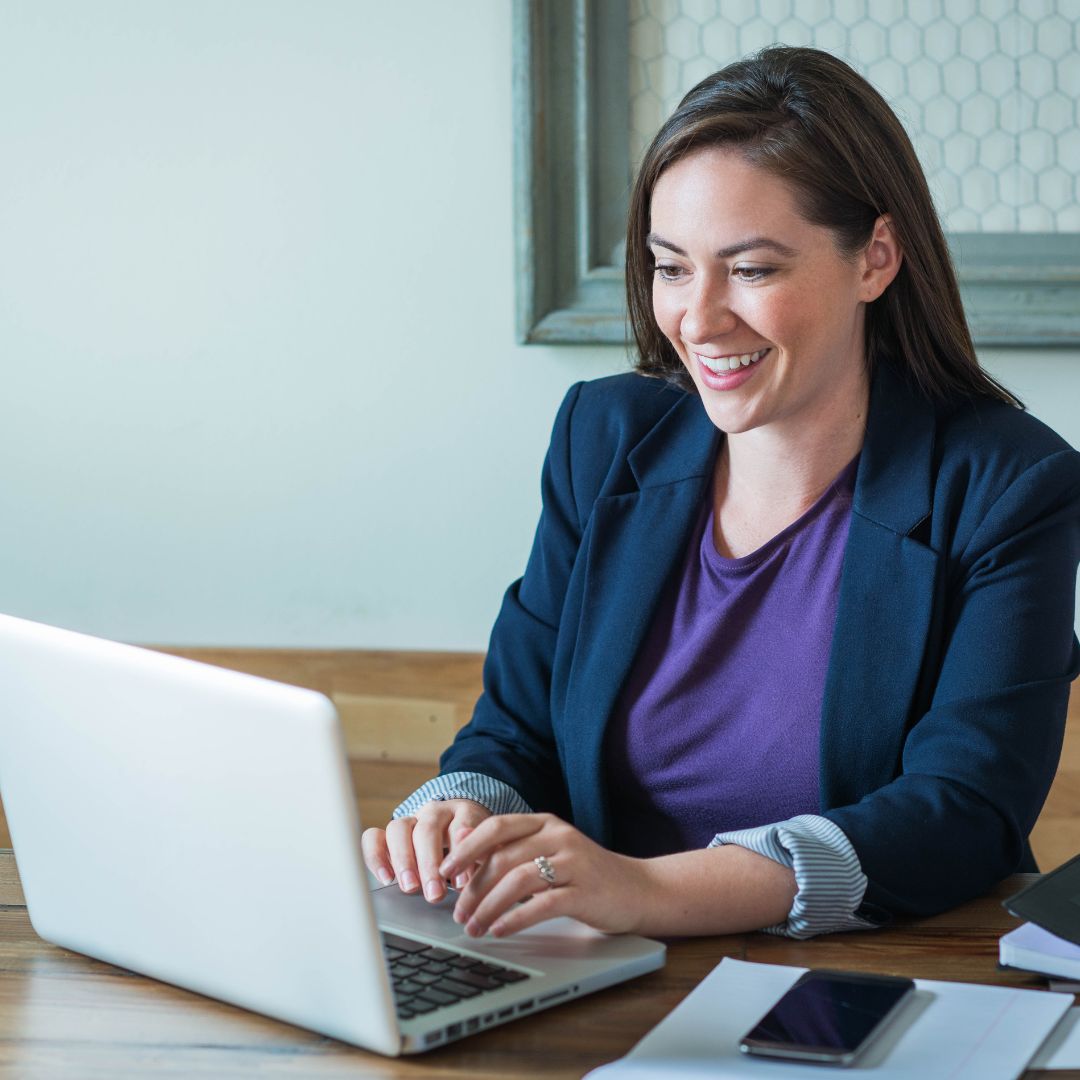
{"x":651,"y":889}
{"x":722,"y":890}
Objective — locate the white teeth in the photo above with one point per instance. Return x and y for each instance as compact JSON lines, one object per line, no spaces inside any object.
{"x":730,"y":363}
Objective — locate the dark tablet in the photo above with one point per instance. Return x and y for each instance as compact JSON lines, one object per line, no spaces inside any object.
{"x":1052,"y":902}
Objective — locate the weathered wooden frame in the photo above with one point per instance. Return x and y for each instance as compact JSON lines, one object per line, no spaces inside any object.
{"x":571,"y":150}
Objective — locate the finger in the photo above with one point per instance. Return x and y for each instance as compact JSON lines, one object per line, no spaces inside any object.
{"x":545,"y":905}
{"x":376,"y":854}
{"x":467,"y":816}
{"x":457,"y":834}
{"x":517,"y":885}
{"x":500,"y":863}
{"x":458,"y":831}
{"x":490,"y":834}
{"x":400,"y":845}
{"x":429,"y":841}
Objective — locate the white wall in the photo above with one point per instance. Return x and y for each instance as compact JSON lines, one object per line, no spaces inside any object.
{"x":256,"y":323}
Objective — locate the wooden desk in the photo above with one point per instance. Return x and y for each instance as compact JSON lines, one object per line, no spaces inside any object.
{"x":64,"y":1015}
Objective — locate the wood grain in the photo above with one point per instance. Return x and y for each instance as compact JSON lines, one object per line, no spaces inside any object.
{"x":1056,"y":836}
{"x":65,"y":1015}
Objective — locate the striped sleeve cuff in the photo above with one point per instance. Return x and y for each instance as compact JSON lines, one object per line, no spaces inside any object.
{"x":827,"y":871}
{"x":490,"y":793}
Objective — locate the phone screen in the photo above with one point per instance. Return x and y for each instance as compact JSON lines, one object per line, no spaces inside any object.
{"x":827,"y":1015}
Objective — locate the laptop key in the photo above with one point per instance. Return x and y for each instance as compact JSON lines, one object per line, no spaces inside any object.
{"x":408,"y":987}
{"x":396,"y":941}
{"x":420,"y":1006}
{"x":412,"y":961}
{"x":483,"y":968}
{"x":401,"y":971}
{"x":474,"y":978}
{"x":462,"y":962}
{"x":436,"y":968}
{"x":452,"y":986}
{"x":507,"y":975}
{"x":435,"y":953}
{"x":425,"y":977}
{"x":437,"y":996}
{"x":405,"y":1012}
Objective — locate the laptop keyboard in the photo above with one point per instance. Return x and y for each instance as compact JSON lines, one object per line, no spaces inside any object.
{"x":426,"y":977}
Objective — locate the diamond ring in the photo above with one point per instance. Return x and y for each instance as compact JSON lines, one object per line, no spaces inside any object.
{"x":547,"y":871}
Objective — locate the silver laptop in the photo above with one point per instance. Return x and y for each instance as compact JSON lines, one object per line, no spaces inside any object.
{"x":199,"y":826}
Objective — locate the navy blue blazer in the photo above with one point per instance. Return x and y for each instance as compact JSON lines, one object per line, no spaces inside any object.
{"x":952,"y":653}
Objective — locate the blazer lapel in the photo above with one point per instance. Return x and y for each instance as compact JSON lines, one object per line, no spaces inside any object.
{"x":884,"y":612}
{"x":637,"y":539}
{"x":886,"y":601}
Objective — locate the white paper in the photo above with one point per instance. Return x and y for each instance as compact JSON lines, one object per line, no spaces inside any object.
{"x":1033,"y":938}
{"x":1062,"y":1049}
{"x":958,"y":1031}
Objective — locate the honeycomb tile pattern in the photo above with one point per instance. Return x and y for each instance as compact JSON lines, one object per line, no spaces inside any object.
{"x":989,"y":90}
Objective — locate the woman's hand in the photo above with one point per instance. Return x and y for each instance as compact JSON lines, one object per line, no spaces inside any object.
{"x":411,"y":848}
{"x":493,"y":860}
{"x":609,"y":892}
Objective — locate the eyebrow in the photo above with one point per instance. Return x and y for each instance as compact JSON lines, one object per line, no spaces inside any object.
{"x":751,"y":244}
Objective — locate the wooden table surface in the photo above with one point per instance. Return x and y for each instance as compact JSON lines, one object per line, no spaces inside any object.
{"x":65,"y":1015}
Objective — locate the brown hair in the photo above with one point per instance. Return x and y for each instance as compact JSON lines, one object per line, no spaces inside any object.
{"x":808,"y":118}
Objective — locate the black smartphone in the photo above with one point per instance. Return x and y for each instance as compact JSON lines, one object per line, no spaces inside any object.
{"x":828,"y":1017}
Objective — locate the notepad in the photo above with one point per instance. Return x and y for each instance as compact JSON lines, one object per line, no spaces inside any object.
{"x":1034,"y":949}
{"x":950,"y":1030}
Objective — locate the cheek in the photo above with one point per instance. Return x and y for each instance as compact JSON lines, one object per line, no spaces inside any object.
{"x":668,"y":315}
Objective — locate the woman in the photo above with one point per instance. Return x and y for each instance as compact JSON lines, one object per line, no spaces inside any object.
{"x":793,"y":647}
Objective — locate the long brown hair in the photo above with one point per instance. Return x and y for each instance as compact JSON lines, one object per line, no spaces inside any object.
{"x":808,"y":118}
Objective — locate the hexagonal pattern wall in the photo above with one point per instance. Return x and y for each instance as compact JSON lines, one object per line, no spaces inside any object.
{"x":989,"y":90}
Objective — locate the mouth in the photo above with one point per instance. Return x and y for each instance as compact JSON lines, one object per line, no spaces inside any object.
{"x":719,"y":364}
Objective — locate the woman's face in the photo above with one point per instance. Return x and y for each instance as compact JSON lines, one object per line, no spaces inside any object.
{"x":761,"y":307}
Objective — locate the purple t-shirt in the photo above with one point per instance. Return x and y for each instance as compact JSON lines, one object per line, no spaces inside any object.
{"x":717,"y":727}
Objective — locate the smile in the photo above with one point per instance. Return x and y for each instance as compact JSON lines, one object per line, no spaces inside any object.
{"x":731,"y":363}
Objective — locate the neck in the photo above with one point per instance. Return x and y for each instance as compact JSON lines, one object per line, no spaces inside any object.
{"x":795,"y":464}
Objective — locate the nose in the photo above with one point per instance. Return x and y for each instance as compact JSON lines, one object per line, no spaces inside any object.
{"x":708,"y":313}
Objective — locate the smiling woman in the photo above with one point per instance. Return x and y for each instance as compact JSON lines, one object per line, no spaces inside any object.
{"x":770,"y":328}
{"x":793,"y":647}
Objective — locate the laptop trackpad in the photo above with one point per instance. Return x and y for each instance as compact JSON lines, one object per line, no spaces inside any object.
{"x":561,"y":938}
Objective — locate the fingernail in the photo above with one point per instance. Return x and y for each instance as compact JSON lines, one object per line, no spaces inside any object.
{"x":461,"y":881}
{"x":447,"y":869}
{"x":459,"y":913}
{"x":384,"y":875}
{"x":433,"y":890}
{"x":497,"y":929}
{"x":408,"y":881}
{"x":474,"y":929}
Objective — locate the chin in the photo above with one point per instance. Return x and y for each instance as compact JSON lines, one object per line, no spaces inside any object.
{"x":729,"y":424}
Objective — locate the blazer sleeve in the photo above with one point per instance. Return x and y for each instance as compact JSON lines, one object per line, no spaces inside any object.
{"x":510,"y":735}
{"x":978,"y":763}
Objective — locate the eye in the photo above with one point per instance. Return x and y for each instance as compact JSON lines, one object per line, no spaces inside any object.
{"x":752,"y":273}
{"x":668,"y":271}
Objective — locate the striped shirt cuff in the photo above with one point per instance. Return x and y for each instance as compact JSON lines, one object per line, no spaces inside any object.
{"x":827,"y":871}
{"x":490,"y":793}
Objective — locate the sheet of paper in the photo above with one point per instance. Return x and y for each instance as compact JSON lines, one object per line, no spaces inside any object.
{"x":1062,"y":1049}
{"x":958,"y":1031}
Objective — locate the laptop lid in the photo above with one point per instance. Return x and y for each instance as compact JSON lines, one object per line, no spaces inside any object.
{"x":198,"y":825}
{"x":193,"y":824}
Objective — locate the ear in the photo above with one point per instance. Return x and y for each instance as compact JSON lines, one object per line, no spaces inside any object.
{"x":880,"y":261}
